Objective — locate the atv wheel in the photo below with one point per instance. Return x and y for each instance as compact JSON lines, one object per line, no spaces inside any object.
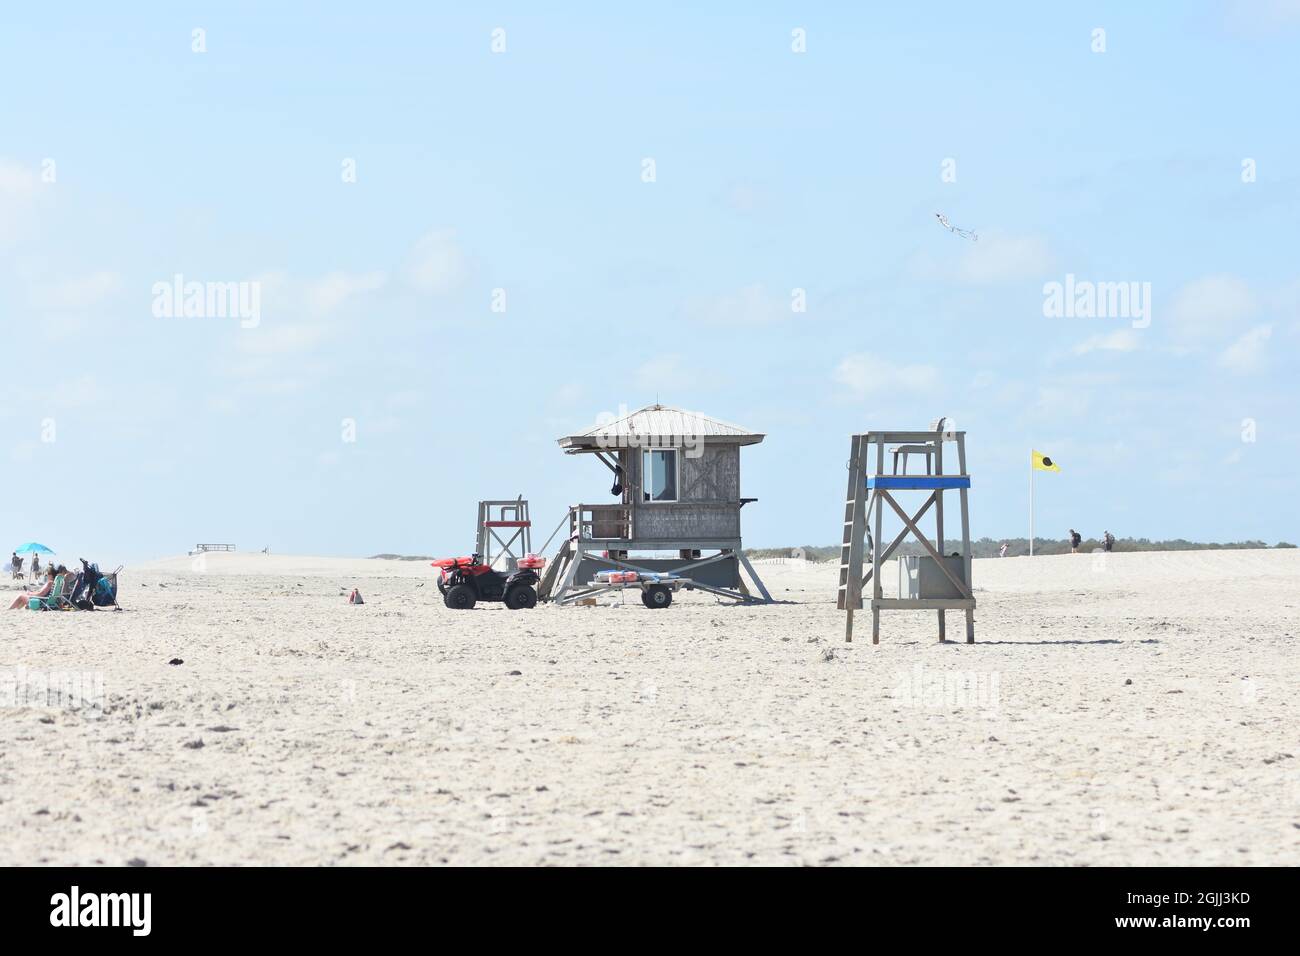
{"x":657,"y":595}
{"x":521,"y":597}
{"x":460,"y":597}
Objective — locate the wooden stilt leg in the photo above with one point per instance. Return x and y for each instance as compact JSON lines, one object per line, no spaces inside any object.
{"x":876,"y":592}
{"x":965,"y":540}
{"x":943,"y":633}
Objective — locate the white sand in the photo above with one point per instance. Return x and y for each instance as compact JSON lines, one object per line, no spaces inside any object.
{"x":396,"y":733}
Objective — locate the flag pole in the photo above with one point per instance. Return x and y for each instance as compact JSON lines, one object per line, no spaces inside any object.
{"x":1031,"y":504}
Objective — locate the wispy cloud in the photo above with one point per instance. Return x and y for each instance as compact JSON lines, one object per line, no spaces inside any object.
{"x":995,"y":257}
{"x":282,"y":339}
{"x":82,"y":392}
{"x":76,"y":294}
{"x":19,"y":190}
{"x":17,"y":181}
{"x":864,"y":374}
{"x":285,"y":296}
{"x":999,"y":258}
{"x":1123,"y":340}
{"x":1247,"y":353}
{"x":331,"y":291}
{"x":437,"y":264}
{"x":749,"y":306}
{"x":1211,"y":305}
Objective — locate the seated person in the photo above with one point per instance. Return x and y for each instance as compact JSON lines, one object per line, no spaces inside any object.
{"x":43,"y":592}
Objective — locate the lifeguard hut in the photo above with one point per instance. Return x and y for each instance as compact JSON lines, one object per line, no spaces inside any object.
{"x":676,"y":478}
{"x":933,"y":580}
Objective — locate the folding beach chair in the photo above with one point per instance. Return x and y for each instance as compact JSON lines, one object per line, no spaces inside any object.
{"x":56,"y":599}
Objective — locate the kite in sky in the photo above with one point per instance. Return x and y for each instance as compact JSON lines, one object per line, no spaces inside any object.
{"x":964,"y":233}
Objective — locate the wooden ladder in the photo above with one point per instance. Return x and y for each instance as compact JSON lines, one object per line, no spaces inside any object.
{"x":857,"y":506}
{"x":554,"y":569}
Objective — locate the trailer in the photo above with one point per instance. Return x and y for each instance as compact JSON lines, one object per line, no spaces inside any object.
{"x":657,"y":590}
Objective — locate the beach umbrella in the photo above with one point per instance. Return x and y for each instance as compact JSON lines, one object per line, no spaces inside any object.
{"x":32,"y":547}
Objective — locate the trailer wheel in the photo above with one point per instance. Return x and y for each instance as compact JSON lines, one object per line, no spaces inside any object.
{"x":657,"y":595}
{"x":460,"y":597}
{"x":521,"y":597}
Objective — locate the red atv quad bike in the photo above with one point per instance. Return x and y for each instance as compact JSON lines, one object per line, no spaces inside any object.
{"x":466,"y":581}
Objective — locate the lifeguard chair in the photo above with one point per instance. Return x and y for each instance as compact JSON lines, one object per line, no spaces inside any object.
{"x":505,"y":532}
{"x":931,"y":581}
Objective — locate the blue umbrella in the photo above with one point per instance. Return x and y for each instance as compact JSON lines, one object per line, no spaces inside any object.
{"x":31,"y":547}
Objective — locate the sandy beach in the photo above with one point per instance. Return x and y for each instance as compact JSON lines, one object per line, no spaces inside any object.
{"x":1125,"y":709}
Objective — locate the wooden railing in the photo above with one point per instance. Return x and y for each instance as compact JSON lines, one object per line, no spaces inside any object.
{"x":601,"y":522}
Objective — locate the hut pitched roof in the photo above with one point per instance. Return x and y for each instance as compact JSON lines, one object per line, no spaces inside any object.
{"x":663,"y":424}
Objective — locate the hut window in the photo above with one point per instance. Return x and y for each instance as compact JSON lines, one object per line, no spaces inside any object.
{"x":659,"y":468}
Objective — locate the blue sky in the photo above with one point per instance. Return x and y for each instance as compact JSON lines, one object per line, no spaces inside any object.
{"x":127,"y":158}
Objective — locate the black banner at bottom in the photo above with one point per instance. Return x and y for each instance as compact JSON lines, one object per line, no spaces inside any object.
{"x":338,"y":905}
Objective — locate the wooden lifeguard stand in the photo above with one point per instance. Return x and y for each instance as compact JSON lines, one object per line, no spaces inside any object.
{"x":509,"y":518}
{"x":677,"y":484}
{"x":932,"y":581}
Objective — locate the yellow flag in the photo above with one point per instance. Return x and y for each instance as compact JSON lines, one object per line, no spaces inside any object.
{"x":1044,"y":462}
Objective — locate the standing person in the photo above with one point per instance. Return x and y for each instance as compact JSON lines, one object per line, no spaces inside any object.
{"x":1002,"y":551}
{"x":17,"y":564}
{"x":36,"y":566}
{"x":1108,"y":541}
{"x":1076,"y":539}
